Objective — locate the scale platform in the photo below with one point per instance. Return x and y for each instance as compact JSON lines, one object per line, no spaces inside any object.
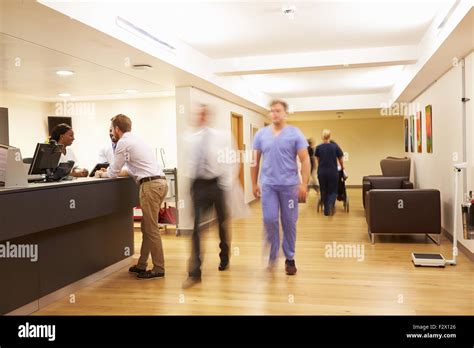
{"x":433,"y":260}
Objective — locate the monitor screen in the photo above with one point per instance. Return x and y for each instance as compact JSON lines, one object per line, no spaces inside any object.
{"x":53,"y":121}
{"x":46,"y":158}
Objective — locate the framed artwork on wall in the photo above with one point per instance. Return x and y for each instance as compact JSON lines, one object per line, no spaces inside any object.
{"x":406,"y":134}
{"x":419,"y":142}
{"x":412,"y":133}
{"x":429,"y":128}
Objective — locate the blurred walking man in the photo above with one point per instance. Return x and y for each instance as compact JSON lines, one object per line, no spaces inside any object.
{"x":210,"y":179}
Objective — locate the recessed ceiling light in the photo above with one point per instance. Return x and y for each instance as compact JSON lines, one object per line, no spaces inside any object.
{"x":65,"y":72}
{"x":64,"y":95}
{"x":131,"y":91}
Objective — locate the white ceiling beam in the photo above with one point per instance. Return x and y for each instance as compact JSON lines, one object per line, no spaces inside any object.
{"x":340,"y":102}
{"x":322,"y":60}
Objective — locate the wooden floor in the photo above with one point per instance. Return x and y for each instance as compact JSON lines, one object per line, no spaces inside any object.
{"x":384,"y":282}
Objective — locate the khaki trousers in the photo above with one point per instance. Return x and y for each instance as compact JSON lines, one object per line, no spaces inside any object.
{"x":152,"y":194}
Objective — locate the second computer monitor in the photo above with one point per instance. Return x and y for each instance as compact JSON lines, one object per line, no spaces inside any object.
{"x":46,"y":158}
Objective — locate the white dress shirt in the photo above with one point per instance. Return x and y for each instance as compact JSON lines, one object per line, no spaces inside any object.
{"x":211,"y":156}
{"x":106,"y":153}
{"x":136,"y":155}
{"x":69,"y":156}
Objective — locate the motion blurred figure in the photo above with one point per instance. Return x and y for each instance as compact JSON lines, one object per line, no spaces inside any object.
{"x":106,"y":153}
{"x":312,"y":160}
{"x":210,"y":179}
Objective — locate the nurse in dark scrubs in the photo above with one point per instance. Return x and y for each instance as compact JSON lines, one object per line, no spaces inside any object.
{"x":327,"y":155}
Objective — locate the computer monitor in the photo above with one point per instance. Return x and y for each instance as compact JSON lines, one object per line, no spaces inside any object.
{"x":45,"y":159}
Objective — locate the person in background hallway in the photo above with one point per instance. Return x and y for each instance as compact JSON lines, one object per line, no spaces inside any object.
{"x":63,"y":134}
{"x":210,"y":180}
{"x":281,"y":189}
{"x":142,"y":165}
{"x":312,"y":160}
{"x":328,"y":154}
{"x":106,"y":153}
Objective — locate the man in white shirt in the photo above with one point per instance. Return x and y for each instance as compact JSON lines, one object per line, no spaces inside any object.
{"x":106,"y":153}
{"x":210,"y":175}
{"x":144,"y":168}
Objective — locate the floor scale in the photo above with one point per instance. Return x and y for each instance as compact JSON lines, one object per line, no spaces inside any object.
{"x":436,"y":259}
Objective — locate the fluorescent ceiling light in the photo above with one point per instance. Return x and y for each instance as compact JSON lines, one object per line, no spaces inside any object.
{"x":136,"y":30}
{"x":65,"y":72}
{"x":131,"y":91}
{"x":64,"y":95}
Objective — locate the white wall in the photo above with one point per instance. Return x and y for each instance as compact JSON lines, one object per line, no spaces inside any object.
{"x":186,"y":99}
{"x":435,"y":170}
{"x":153,"y":119}
{"x":28,"y":123}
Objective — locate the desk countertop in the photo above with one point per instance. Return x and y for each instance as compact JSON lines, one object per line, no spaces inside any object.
{"x":49,"y":185}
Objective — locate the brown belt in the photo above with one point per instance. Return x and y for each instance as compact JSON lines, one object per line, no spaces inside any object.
{"x":150,"y":178}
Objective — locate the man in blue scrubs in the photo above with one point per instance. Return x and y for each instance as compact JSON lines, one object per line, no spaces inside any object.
{"x":281,"y":188}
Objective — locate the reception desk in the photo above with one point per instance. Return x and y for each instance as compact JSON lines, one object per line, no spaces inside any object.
{"x":78,"y":228}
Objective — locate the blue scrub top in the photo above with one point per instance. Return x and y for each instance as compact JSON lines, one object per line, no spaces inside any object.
{"x":279,"y":154}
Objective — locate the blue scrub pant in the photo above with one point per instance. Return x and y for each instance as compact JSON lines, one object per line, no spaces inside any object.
{"x":328,"y":181}
{"x":280,"y":201}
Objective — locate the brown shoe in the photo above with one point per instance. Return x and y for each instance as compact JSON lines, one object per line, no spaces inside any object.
{"x":290,"y":267}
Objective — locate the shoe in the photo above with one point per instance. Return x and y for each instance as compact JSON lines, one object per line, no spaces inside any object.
{"x":150,"y":275}
{"x":135,"y":269}
{"x":190,"y":281}
{"x":272,"y":265}
{"x":290,"y":267}
{"x":223,"y":266}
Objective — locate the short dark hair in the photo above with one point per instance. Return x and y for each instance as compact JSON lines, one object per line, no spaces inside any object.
{"x":123,"y":122}
{"x":59,"y":130}
{"x":281,"y":102}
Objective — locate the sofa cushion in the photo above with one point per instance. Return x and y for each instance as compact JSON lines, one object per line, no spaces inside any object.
{"x":404,"y":211}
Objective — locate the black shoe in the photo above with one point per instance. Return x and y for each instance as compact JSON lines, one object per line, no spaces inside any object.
{"x":223,"y":266}
{"x":150,"y":275}
{"x":135,"y":269}
{"x":290,"y":267}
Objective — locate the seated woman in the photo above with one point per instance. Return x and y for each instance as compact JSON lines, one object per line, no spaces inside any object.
{"x":64,"y":135}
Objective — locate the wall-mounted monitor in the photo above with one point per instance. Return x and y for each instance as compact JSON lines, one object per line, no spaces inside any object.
{"x":53,"y":121}
{"x":4,"y":126}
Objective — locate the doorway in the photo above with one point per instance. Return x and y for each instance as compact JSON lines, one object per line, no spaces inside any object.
{"x":237,"y":128}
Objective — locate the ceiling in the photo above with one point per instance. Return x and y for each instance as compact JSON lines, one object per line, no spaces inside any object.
{"x":335,"y":114}
{"x":30,"y":69}
{"x":351,"y":53}
{"x":224,"y":29}
{"x":327,"y":82}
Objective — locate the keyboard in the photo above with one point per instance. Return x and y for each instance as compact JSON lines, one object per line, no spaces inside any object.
{"x":35,"y":177}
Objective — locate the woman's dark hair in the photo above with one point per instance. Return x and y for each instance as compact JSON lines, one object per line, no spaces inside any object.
{"x":59,"y":130}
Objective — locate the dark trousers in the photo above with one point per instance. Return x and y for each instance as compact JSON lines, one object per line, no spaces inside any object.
{"x":206,"y":194}
{"x":328,"y":181}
